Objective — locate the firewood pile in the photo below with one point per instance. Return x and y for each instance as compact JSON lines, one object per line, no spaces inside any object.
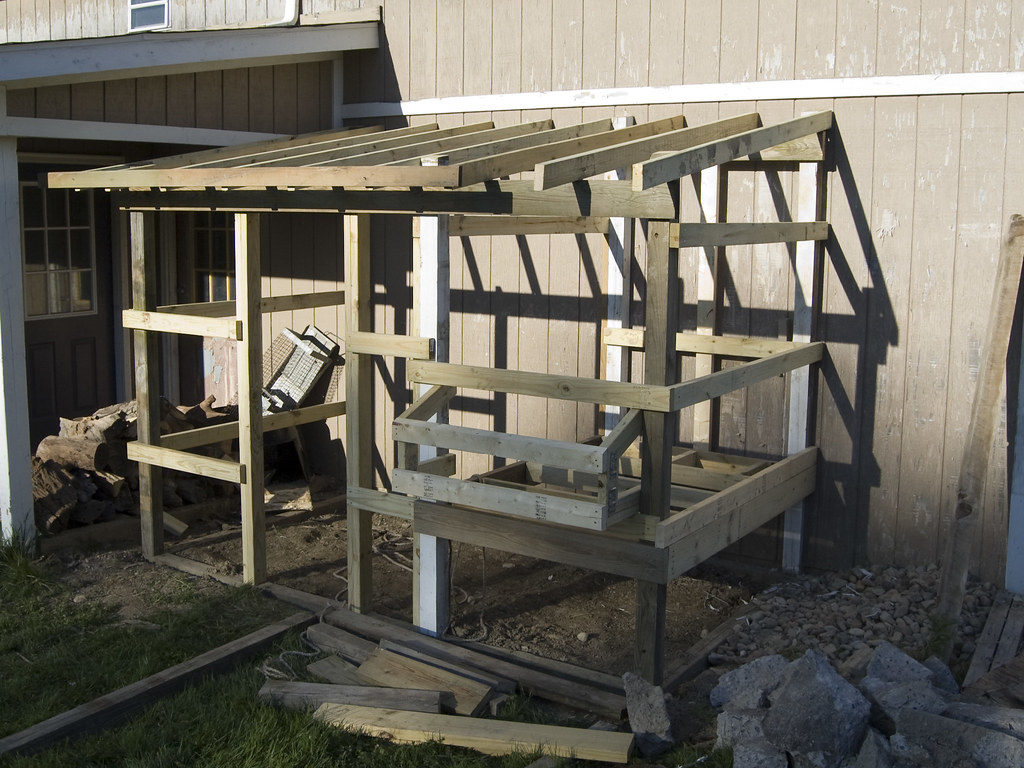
{"x":83,"y":475}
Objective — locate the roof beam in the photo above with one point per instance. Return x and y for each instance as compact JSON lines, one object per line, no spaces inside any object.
{"x":90,"y":130}
{"x":30,"y":65}
{"x":678,"y":164}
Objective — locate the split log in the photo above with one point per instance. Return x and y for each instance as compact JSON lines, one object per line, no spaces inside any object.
{"x":75,"y":452}
{"x":109,"y":483}
{"x":54,"y":494}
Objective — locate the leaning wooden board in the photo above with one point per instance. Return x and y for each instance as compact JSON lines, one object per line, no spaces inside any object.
{"x":394,"y":671}
{"x":492,"y":737}
{"x":117,"y":706}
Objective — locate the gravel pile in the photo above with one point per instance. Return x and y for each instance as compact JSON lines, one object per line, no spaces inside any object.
{"x":846,"y":615}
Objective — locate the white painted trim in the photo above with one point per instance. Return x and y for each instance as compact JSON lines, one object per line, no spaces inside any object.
{"x":764,"y":90}
{"x":16,"y":505}
{"x":25,"y":65}
{"x":47,"y":128}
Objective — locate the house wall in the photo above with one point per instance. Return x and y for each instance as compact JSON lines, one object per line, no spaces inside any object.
{"x":922,"y":189}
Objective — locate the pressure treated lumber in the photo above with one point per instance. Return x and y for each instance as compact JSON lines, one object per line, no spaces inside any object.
{"x":379,"y":502}
{"x":267,"y":304}
{"x":988,"y":640}
{"x":295,"y":695}
{"x":389,"y":345}
{"x":159,"y":456}
{"x":192,"y":325}
{"x":742,"y":233}
{"x":115,"y":707}
{"x":228,"y":430}
{"x":698,"y":343}
{"x":492,"y":737}
{"x":642,"y":396}
{"x":335,"y":670}
{"x":679,"y":164}
{"x":695,"y":660}
{"x":479,"y":226}
{"x":393,"y":670}
{"x":574,"y":167}
{"x":981,"y":428}
{"x":429,"y":403}
{"x":339,"y":642}
{"x":443,"y":465}
{"x":499,"y":684}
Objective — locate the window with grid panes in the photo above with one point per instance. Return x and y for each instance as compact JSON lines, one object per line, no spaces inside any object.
{"x":214,"y":264}
{"x":58,"y":251}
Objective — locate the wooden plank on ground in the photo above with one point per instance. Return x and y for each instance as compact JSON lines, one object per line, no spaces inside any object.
{"x":336,"y":670}
{"x":695,"y":660}
{"x":296,"y":695}
{"x":1009,"y":640}
{"x":500,"y":684}
{"x":985,"y":649}
{"x":395,"y":671}
{"x":1003,"y":685}
{"x":339,"y":642}
{"x":492,"y":737}
{"x":115,"y":707}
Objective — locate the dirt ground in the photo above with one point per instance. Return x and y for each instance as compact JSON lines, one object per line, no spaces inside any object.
{"x":506,"y":600}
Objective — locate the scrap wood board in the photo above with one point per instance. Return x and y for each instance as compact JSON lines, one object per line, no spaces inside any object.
{"x":1000,"y":639}
{"x":298,"y":695}
{"x":117,"y":706}
{"x":492,"y":737}
{"x":336,"y":670}
{"x":394,"y":671}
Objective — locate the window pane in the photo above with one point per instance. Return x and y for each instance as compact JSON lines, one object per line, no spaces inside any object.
{"x":60,"y":293}
{"x":35,"y":251}
{"x":58,"y":248}
{"x":32,"y":205}
{"x":79,"y":208}
{"x":220,"y":219}
{"x":202,"y":249}
{"x":202,"y":288}
{"x":56,"y":207}
{"x":220,"y":249}
{"x":35,"y":294}
{"x":81,"y":291}
{"x":81,"y":248}
{"x":220,"y":287}
{"x":151,"y":16}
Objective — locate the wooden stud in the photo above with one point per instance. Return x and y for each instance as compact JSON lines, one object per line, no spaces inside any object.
{"x":216,"y":433}
{"x":267,"y":303}
{"x":713,"y":193}
{"x":742,"y":233}
{"x":691,"y":343}
{"x":193,"y":325}
{"x":250,"y":395}
{"x":479,"y":226}
{"x":160,"y":456}
{"x":359,"y":418}
{"x":389,"y":345}
{"x":147,"y":379}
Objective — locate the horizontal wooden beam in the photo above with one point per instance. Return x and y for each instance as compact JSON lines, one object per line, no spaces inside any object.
{"x":472,"y":226}
{"x":216,"y":433}
{"x":443,"y":465}
{"x":604,"y":553}
{"x":719,"y":383}
{"x":389,"y":345}
{"x":429,"y":403}
{"x":98,"y":130}
{"x":117,"y":706}
{"x":216,"y":178}
{"x":725,"y":502}
{"x":268,"y":304}
{"x":699,"y":343}
{"x":219,"y":469}
{"x":513,"y":198}
{"x":380,"y":502}
{"x":191,"y":325}
{"x":735,"y":233}
{"x":564,"y":170}
{"x":558,"y":453}
{"x":689,"y":161}
{"x":642,"y":396}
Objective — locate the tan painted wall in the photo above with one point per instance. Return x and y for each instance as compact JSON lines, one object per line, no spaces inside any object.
{"x":922,"y":191}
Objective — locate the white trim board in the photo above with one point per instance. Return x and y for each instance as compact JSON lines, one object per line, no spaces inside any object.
{"x":765,"y":90}
{"x":52,"y":128}
{"x":28,"y":65}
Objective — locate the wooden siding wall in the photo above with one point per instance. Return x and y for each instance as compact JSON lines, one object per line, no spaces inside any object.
{"x":921,"y":192}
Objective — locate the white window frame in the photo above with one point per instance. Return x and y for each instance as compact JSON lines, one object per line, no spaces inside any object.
{"x":132,"y":6}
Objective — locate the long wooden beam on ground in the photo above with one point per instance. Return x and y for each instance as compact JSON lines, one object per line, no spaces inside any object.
{"x":507,"y":163}
{"x":721,"y":382}
{"x":472,"y":226}
{"x":298,"y":695}
{"x":172,"y":322}
{"x":693,"y":343}
{"x":564,"y":170}
{"x":117,"y":706}
{"x":514,"y":198}
{"x":216,"y":433}
{"x":742,"y":233}
{"x":679,"y":164}
{"x":642,"y":396}
{"x":159,"y":456}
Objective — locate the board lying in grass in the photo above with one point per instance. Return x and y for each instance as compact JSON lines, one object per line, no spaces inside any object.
{"x":492,"y":737}
{"x":311,"y":695}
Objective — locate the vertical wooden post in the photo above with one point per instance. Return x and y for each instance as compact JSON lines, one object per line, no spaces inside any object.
{"x":359,"y":413}
{"x":248,"y":297}
{"x":16,"y":512}
{"x":168,"y":266}
{"x":432,"y":556}
{"x":713,"y":183}
{"x":659,"y":435}
{"x":147,"y":379}
{"x":810,"y":207}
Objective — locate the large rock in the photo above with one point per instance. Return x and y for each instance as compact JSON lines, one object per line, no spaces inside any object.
{"x":1003,"y":719}
{"x":874,"y":752}
{"x":815,"y":713}
{"x":941,"y":678}
{"x":933,"y":741}
{"x":890,"y":698}
{"x":758,"y":753}
{"x":894,"y":666}
{"x":648,"y":715}
{"x":748,"y":686}
{"x":739,"y":726}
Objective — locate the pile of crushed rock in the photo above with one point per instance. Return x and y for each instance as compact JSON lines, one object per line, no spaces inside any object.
{"x":893,"y":713}
{"x":846,"y":615}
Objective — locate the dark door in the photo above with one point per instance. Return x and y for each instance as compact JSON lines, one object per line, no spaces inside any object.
{"x":67,"y":260}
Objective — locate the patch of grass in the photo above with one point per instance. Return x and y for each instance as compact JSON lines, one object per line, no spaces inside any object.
{"x":20,"y":572}
{"x":698,"y":756}
{"x":940,"y":632}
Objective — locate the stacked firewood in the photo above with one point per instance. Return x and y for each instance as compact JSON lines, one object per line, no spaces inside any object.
{"x":83,"y":475}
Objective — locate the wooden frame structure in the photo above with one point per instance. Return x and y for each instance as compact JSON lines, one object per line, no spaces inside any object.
{"x":633,"y":503}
